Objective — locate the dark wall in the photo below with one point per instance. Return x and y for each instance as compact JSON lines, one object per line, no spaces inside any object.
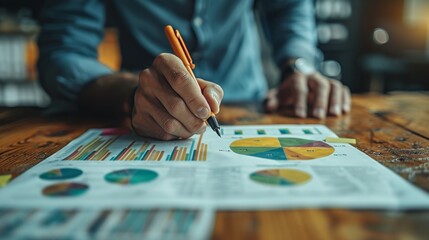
{"x":406,"y":45}
{"x":13,"y":6}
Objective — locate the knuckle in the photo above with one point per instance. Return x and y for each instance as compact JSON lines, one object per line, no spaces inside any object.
{"x":144,"y":74}
{"x":186,"y":136}
{"x":141,"y":102}
{"x":179,"y":77}
{"x":335,"y":84}
{"x":192,"y":101}
{"x":161,"y":59}
{"x":301,"y":88}
{"x":322,"y":83}
{"x":166,"y":137}
{"x":170,"y":125}
{"x":176,"y":107}
{"x":196,"y":126}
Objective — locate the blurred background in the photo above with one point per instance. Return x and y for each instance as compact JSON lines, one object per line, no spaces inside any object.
{"x":371,"y":46}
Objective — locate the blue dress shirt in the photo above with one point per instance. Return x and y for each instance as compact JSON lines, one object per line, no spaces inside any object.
{"x":221,"y":35}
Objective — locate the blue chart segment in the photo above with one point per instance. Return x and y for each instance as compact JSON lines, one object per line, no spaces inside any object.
{"x":61,"y":174}
{"x":282,"y":148}
{"x":131,"y":176}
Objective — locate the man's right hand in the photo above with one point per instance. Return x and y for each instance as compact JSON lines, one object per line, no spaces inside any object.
{"x":168,"y":104}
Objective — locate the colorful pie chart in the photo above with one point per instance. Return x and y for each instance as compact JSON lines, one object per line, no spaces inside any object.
{"x":67,"y":189}
{"x":281,"y":177}
{"x":131,"y":176}
{"x":282,"y":148}
{"x":61,"y":174}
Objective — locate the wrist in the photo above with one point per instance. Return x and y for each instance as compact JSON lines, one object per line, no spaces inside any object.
{"x":109,"y":95}
{"x":297,"y":65}
{"x":129,"y":105}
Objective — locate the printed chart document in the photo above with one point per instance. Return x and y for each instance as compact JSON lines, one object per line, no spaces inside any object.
{"x":250,"y":167}
{"x":93,"y":223}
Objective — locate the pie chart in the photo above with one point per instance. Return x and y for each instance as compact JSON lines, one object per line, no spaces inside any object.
{"x":282,"y":148}
{"x":281,"y":177}
{"x":61,"y":174}
{"x":130,"y":176}
{"x":68,"y":189}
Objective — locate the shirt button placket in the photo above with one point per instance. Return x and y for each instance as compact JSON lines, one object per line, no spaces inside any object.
{"x":199,"y":27}
{"x":198,"y":21}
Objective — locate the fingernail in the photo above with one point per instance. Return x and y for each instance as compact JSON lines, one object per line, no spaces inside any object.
{"x":203,"y":113}
{"x":270,"y":104}
{"x":215,"y":97}
{"x":319,"y":113}
{"x":346,"y":108}
{"x":336,"y":110}
{"x":301,"y":113}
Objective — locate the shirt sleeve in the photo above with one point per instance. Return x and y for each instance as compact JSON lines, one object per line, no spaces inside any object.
{"x":70,"y":34}
{"x":291,"y":29}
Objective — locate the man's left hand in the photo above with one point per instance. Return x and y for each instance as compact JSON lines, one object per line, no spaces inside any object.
{"x":310,"y":95}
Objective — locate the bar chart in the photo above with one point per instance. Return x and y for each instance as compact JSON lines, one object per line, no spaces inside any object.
{"x":270,"y":131}
{"x":128,"y":147}
{"x":123,"y":223}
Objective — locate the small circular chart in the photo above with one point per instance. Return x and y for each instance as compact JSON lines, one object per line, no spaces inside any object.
{"x":68,"y":189}
{"x":281,"y":177}
{"x":130,"y":176}
{"x":282,"y":148}
{"x":61,"y":174}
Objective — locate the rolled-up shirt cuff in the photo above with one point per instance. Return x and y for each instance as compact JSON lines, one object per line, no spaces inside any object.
{"x":63,"y":77}
{"x":297,"y":49}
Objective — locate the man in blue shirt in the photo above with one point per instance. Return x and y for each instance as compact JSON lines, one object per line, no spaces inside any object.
{"x":223,"y":41}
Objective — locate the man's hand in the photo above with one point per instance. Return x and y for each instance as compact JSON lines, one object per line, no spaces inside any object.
{"x":309,"y":96}
{"x":168,"y":104}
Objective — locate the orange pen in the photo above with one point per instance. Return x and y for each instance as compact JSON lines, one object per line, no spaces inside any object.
{"x":179,"y":48}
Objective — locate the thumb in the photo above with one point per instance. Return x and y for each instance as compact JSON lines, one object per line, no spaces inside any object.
{"x":271,"y":102}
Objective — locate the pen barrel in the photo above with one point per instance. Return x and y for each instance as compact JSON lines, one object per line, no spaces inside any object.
{"x":191,"y":72}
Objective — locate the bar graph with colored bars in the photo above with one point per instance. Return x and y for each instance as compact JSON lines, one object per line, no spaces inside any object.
{"x":119,"y":148}
{"x":271,"y":131}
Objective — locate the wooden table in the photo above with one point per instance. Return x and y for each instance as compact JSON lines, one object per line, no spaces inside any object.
{"x":392,"y":129}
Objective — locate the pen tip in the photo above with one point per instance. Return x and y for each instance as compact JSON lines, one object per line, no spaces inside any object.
{"x":218,"y":132}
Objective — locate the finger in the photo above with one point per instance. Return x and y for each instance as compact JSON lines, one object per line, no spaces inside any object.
{"x":347,"y":100}
{"x":213,"y":93}
{"x":168,"y":123}
{"x":177,"y":108}
{"x":336,"y":97}
{"x":271,"y":102}
{"x":298,"y":82}
{"x":149,"y":108}
{"x":321,"y":87}
{"x":181,"y":81}
{"x":147,"y":127}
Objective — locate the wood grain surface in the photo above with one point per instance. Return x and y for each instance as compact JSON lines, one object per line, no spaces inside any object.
{"x":392,"y":129}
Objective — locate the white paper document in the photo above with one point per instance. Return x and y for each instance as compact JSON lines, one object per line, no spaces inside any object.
{"x":250,"y":167}
{"x":94,"y":223}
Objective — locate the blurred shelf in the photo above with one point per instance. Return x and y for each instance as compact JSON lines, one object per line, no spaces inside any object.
{"x":28,"y":93}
